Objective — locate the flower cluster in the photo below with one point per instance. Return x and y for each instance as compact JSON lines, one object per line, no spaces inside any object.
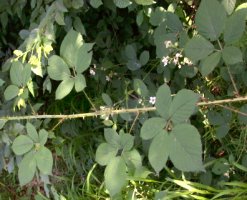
{"x":176,"y":59}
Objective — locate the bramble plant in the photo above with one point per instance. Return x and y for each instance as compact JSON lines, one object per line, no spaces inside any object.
{"x":123,"y":99}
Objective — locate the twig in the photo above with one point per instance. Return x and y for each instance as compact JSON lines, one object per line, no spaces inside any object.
{"x":133,"y":124}
{"x":232,"y":109}
{"x":112,"y":111}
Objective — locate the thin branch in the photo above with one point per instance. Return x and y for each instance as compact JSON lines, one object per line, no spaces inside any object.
{"x":230,"y":74}
{"x":232,"y":109}
{"x":133,"y":124}
{"x":113,"y":111}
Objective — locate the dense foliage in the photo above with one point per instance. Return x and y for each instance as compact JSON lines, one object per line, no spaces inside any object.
{"x":123,"y":99}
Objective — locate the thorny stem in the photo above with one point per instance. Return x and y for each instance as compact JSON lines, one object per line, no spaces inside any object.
{"x":113,"y":111}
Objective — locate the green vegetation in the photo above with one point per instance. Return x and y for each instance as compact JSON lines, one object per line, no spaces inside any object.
{"x":123,"y":99}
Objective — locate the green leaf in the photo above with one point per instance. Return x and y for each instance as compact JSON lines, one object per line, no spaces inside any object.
{"x":183,"y":106}
{"x":152,"y":127}
{"x":139,"y":18}
{"x":80,"y":82}
{"x":173,"y":22}
{"x":11,"y":92}
{"x":22,"y":144}
{"x":130,"y":52}
{"x":84,"y":58}
{"x":44,"y":160}
{"x":235,"y":27}
{"x":70,"y":47}
{"x":241,"y":117}
{"x":15,"y":71}
{"x":209,"y":63}
{"x":115,"y":175}
{"x":26,"y":74}
{"x":221,"y":166}
{"x":232,"y":55}
{"x":133,"y":65}
{"x":198,"y":48}
{"x":2,"y":123}
{"x":105,"y":153}
{"x":107,"y":99}
{"x":96,"y":3}
{"x":31,"y":132}
{"x":79,"y":26}
{"x":126,"y":141}
{"x":145,"y":2}
{"x":222,"y":131}
{"x":132,"y":158}
{"x":157,"y":16}
{"x":1,"y":82}
{"x":210,"y":19}
{"x":58,"y":70}
{"x":27,"y":169}
{"x":59,"y":17}
{"x":112,"y":137}
{"x":140,"y":87}
{"x":144,"y":58}
{"x":163,"y":101}
{"x":43,"y":135}
{"x":186,"y":149}
{"x":64,"y":88}
{"x":159,"y":151}
{"x":229,"y":5}
{"x":122,"y":3}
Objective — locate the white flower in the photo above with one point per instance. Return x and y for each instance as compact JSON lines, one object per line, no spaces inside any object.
{"x":168,"y":43}
{"x":165,"y":60}
{"x":107,"y":78}
{"x":152,"y":100}
{"x":178,"y":55}
{"x":175,"y":60}
{"x":92,"y":72}
{"x":187,"y":61}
